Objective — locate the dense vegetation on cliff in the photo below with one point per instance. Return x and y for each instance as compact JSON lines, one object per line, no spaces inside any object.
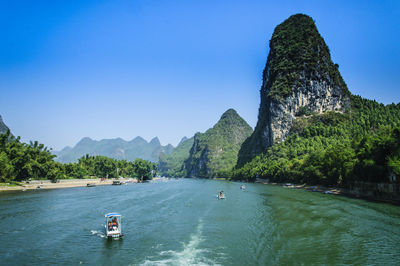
{"x":20,"y":161}
{"x":172,"y":165}
{"x":334,"y":148}
{"x":310,"y":128}
{"x":297,"y":48}
{"x":210,"y":154}
{"x":299,"y":78}
{"x":214,"y":153}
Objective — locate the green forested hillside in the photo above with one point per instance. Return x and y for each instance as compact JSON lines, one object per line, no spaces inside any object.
{"x":172,"y":165}
{"x":215,"y":152}
{"x":334,"y":148}
{"x":209,"y":154}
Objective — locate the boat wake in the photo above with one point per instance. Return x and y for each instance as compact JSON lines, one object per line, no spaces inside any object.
{"x":191,"y":254}
{"x":98,"y":233}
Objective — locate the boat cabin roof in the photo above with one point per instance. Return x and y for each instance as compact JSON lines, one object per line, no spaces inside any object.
{"x":108,"y":215}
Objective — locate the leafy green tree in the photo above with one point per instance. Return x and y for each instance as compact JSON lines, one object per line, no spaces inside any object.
{"x":143,"y":169}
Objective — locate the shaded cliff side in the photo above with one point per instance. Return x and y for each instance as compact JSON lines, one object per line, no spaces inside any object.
{"x":3,"y":127}
{"x":172,"y":165}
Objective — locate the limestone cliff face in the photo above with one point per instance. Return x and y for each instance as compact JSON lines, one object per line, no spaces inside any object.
{"x":196,"y":164}
{"x":215,"y":151}
{"x":299,"y":78}
{"x":3,"y":127}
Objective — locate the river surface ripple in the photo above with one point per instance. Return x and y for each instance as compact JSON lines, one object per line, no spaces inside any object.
{"x":181,"y":222}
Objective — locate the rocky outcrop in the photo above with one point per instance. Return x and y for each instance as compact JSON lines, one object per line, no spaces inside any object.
{"x":389,"y":192}
{"x":215,"y":152}
{"x":196,"y":164}
{"x":3,"y":127}
{"x":299,"y":78}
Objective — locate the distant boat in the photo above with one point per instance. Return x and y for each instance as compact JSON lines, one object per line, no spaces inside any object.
{"x":242,"y":187}
{"x":289,"y":185}
{"x":117,"y":182}
{"x":90,"y":184}
{"x":221,"y":195}
{"x":113,"y":225}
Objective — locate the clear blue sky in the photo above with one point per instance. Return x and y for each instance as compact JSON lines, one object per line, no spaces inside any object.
{"x":107,"y":69}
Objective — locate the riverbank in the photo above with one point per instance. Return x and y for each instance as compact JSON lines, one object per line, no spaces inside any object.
{"x":376,"y":195}
{"x":63,"y":183}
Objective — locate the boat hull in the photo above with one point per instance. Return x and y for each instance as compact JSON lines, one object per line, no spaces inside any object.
{"x":114,"y":235}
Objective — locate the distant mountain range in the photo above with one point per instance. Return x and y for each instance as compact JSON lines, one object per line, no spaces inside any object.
{"x":115,"y":148}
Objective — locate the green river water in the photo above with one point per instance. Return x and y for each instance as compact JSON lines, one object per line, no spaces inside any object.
{"x":181,"y":222}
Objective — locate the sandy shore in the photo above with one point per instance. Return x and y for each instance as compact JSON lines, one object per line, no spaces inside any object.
{"x":64,"y":183}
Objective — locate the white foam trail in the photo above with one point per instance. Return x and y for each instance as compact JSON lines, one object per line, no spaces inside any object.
{"x":190,"y":255}
{"x":94,"y":232}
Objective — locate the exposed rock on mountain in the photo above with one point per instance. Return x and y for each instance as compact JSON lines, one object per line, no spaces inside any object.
{"x":299,"y":78}
{"x":3,"y":127}
{"x":215,"y":152}
{"x":115,"y":148}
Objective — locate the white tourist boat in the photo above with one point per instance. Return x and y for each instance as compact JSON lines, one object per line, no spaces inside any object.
{"x":113,"y":225}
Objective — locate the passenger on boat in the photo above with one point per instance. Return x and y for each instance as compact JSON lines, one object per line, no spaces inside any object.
{"x":110,"y":226}
{"x":115,"y":223}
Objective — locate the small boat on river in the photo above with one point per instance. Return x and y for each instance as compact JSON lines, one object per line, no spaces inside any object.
{"x":117,"y":182}
{"x":289,"y":185}
{"x":113,"y":225}
{"x":221,"y":195}
{"x":90,"y":184}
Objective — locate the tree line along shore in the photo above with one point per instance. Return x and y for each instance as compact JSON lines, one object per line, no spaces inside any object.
{"x":21,"y":162}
